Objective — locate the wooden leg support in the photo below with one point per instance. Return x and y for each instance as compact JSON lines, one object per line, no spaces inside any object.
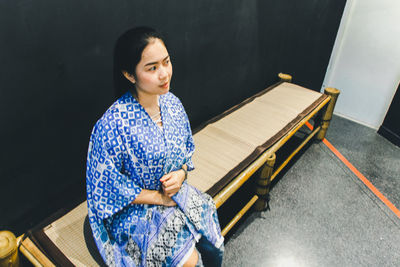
{"x":8,"y":250}
{"x":263,"y":182}
{"x":327,"y":115}
{"x":285,"y":77}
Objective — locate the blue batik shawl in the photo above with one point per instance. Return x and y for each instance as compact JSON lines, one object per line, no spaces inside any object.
{"x":129,"y":152}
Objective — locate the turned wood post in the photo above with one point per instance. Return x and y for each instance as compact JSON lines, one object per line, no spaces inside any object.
{"x":326,"y":117}
{"x":8,"y":250}
{"x":263,"y":182}
{"x":285,"y":77}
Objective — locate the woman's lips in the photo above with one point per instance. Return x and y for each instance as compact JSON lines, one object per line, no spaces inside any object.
{"x":165,"y":85}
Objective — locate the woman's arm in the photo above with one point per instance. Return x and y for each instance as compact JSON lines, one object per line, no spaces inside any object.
{"x":108,"y":189}
{"x":153,"y":197}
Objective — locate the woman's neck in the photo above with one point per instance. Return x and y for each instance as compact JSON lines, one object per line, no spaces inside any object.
{"x":151,"y":105}
{"x":148,"y":101}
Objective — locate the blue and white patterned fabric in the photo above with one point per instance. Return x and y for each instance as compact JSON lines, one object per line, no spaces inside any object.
{"x":128,"y":152}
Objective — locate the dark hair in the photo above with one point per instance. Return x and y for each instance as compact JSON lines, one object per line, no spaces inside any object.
{"x":127,"y":54}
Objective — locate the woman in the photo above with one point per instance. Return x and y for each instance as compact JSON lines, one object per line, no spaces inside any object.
{"x":141,"y":210}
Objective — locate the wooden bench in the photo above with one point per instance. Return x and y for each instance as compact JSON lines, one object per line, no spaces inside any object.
{"x":230,"y":148}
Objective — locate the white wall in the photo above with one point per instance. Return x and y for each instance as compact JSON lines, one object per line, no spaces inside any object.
{"x":365,"y":62}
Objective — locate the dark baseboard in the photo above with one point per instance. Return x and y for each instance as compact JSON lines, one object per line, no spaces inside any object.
{"x":389,"y":135}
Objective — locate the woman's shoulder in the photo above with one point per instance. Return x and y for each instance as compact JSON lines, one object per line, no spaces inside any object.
{"x":170,"y":96}
{"x":173,"y":100}
{"x":113,"y":115}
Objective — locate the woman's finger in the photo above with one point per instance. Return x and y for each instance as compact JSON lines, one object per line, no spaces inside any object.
{"x":172,"y":180}
{"x":171,"y":188}
{"x":166,"y":177}
{"x":168,"y":183}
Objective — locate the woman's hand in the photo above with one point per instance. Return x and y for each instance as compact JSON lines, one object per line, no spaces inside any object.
{"x":172,"y":182}
{"x":154,"y":197}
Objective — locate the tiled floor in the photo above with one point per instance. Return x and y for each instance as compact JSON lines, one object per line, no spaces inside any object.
{"x":321,"y":214}
{"x":373,"y":155}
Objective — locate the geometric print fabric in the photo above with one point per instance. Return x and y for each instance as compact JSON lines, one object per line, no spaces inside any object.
{"x":128,"y":152}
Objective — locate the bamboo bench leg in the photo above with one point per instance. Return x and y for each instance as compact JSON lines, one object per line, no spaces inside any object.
{"x":327,"y":115}
{"x":263,"y":182}
{"x":285,"y":77}
{"x":8,"y":249}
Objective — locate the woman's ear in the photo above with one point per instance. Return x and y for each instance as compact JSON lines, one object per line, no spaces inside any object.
{"x":129,"y":76}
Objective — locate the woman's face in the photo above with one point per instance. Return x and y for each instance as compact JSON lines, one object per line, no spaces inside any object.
{"x":154,"y":70}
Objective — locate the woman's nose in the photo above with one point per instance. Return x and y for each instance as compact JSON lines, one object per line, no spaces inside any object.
{"x":163,"y":73}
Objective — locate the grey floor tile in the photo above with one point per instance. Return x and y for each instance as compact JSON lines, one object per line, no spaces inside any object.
{"x":374,"y":156}
{"x":321,"y":215}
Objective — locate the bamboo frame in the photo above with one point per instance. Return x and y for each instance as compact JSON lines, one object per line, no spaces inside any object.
{"x":285,"y":77}
{"x":263,"y":182}
{"x":288,"y":159}
{"x":33,"y":253}
{"x":239,"y":215}
{"x":281,"y":142}
{"x":327,"y":116}
{"x":8,"y":249}
{"x":268,"y":157}
{"x":235,"y":184}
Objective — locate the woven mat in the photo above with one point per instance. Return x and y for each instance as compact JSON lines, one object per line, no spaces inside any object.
{"x":67,"y":233}
{"x":238,"y":134}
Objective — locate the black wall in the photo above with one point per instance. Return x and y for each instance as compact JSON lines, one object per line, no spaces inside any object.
{"x":56,"y":76}
{"x":390,"y":127}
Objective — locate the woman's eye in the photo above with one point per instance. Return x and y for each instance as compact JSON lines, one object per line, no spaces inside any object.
{"x":153,"y":68}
